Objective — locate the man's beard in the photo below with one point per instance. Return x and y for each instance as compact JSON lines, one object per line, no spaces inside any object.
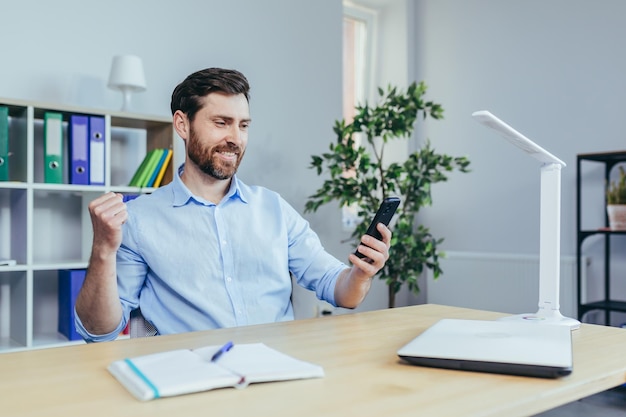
{"x":208,"y":162}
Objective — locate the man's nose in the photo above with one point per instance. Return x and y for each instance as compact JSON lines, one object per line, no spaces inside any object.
{"x":236,"y":134}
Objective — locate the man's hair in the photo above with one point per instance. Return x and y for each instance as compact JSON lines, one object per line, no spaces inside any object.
{"x":187,"y":96}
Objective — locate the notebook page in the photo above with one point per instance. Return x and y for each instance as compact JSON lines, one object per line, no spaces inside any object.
{"x":260,"y":363}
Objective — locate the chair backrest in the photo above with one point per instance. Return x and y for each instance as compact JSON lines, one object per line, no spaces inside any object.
{"x":139,"y":326}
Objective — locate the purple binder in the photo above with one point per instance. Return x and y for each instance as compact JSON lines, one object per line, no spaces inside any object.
{"x":78,"y":129}
{"x":96,"y":150}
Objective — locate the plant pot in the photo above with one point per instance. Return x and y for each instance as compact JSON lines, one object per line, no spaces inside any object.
{"x":617,"y":216}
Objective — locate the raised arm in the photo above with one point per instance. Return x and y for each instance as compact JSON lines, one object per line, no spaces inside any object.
{"x":98,"y":305}
{"x":354,"y":283}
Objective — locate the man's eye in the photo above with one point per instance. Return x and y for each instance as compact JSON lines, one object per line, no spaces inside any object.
{"x":220,"y":123}
{"x":245,"y":126}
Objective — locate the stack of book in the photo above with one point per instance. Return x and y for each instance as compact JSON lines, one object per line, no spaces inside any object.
{"x":152,"y":168}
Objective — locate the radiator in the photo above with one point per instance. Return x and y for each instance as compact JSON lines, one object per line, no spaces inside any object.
{"x":507,"y":283}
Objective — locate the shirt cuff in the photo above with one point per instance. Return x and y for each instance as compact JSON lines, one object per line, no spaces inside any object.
{"x":89,"y":337}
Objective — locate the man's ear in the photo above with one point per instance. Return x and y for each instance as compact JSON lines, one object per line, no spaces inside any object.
{"x":181,"y":124}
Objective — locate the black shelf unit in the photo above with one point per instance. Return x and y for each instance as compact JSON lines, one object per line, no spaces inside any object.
{"x":608,"y":304}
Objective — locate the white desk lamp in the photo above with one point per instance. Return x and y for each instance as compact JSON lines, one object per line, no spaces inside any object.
{"x":549,"y":227}
{"x":127,"y":76}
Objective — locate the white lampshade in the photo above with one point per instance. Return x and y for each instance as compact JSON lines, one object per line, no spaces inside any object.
{"x":127,"y":76}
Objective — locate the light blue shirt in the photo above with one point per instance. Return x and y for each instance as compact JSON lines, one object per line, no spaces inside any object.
{"x":190,"y":264}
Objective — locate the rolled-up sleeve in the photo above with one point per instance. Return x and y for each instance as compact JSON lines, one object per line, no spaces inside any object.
{"x":89,"y":337}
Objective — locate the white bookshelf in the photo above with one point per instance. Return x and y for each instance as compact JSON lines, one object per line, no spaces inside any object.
{"x":46,"y":227}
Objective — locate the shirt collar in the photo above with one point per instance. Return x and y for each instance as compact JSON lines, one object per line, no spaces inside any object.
{"x":183,"y":196}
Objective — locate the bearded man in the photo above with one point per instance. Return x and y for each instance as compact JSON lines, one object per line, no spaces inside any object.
{"x":208,"y":251}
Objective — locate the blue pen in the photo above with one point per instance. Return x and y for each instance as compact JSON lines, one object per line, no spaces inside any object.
{"x":228,"y":346}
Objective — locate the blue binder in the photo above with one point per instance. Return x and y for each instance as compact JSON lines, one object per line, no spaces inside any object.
{"x":127,"y":197}
{"x":70,"y":283}
{"x":78,"y":149}
{"x":96,"y":150}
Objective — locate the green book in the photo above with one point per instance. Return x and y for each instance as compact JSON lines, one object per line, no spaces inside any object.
{"x":155,"y":157}
{"x":4,"y":143}
{"x":134,"y":182}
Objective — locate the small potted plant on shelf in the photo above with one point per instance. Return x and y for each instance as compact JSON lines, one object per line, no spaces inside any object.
{"x":616,"y":201}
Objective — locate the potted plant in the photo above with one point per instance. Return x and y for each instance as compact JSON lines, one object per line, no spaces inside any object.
{"x":616,"y":201}
{"x":359,"y":176}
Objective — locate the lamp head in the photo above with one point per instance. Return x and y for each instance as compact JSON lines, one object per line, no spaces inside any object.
{"x":127,"y":76}
{"x":516,"y":138}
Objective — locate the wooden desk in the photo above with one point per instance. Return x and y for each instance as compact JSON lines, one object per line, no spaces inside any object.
{"x":364,"y":377}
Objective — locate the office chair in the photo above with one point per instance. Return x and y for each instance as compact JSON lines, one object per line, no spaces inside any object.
{"x":139,"y":326}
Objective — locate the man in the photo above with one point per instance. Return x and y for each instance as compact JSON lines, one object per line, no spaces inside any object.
{"x":208,"y":251}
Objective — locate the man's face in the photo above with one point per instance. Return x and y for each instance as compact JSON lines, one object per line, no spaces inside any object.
{"x":218,"y":135}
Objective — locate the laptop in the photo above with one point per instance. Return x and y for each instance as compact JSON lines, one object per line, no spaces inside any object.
{"x":503,"y":347}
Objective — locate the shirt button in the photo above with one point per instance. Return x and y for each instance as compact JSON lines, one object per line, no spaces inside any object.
{"x":224,"y":243}
{"x":228,"y":279}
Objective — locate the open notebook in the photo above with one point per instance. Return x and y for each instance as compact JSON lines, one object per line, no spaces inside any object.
{"x":185,"y":371}
{"x":506,"y":347}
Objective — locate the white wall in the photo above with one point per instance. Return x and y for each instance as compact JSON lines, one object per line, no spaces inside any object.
{"x":290,"y":50}
{"x":553,"y":70}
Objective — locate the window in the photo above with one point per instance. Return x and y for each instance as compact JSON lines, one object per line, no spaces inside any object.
{"x":358,"y":41}
{"x":358,"y":55}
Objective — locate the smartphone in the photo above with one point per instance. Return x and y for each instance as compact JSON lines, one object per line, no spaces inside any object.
{"x":384,"y":214}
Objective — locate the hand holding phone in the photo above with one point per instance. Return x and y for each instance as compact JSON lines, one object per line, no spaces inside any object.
{"x":384,"y":214}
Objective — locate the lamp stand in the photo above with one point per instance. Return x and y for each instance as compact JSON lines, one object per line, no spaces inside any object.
{"x":549,"y":252}
{"x":125,"y":99}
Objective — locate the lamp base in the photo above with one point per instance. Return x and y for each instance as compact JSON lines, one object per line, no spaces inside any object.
{"x":125,"y":99}
{"x":541,"y":317}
